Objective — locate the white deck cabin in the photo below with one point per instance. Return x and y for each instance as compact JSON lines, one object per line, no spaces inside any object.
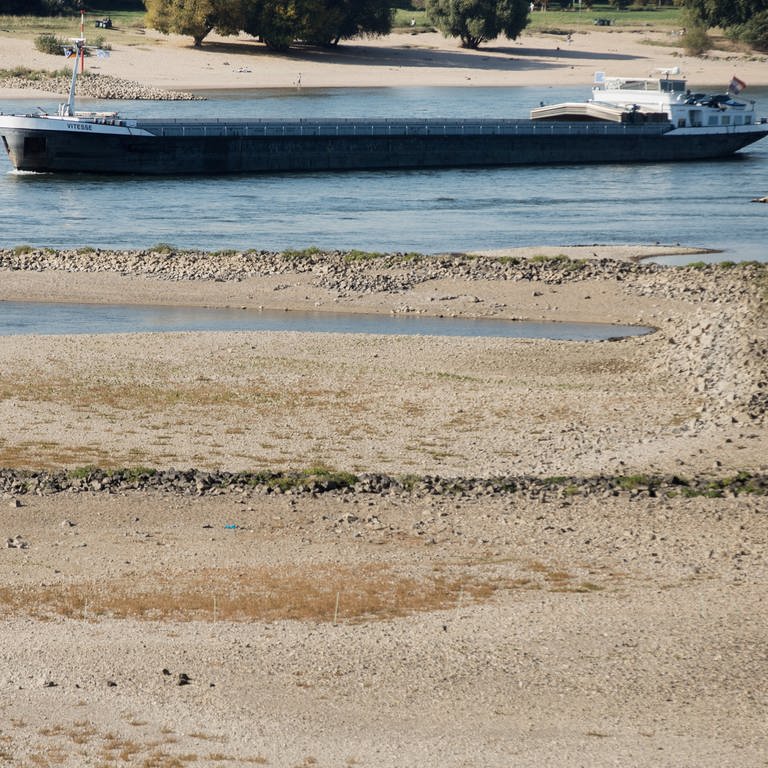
{"x":671,"y":96}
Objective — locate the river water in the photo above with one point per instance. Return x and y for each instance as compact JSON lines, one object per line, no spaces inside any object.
{"x":21,"y":318}
{"x":703,"y":204}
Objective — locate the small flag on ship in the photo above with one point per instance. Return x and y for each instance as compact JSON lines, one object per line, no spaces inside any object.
{"x":736,"y":86}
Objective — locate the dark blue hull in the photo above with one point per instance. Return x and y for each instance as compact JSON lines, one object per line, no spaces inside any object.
{"x":156,"y":147}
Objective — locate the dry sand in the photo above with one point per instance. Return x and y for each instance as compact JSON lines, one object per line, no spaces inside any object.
{"x":426,"y":59}
{"x":474,"y":631}
{"x":471,"y":631}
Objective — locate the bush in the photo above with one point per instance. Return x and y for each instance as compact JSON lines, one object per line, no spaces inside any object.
{"x":50,"y":44}
{"x":696,"y":41}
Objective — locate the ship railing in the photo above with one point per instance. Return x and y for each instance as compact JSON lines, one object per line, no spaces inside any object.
{"x":357,"y":128}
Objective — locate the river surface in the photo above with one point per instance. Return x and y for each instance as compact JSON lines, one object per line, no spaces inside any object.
{"x":703,"y":204}
{"x":21,"y":318}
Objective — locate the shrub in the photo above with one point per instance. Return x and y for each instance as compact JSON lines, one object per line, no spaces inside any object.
{"x":50,"y":44}
{"x":696,"y":41}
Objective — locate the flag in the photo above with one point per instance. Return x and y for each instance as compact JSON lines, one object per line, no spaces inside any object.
{"x":736,"y":86}
{"x":70,"y":52}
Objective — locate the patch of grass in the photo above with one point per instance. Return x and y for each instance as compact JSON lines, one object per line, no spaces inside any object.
{"x":412,"y":256}
{"x":406,"y":19}
{"x":303,"y":479}
{"x":307,"y":593}
{"x":53,"y":455}
{"x":128,"y":25}
{"x":164,"y":248}
{"x":21,"y":250}
{"x":25,"y":73}
{"x":304,"y":253}
{"x":82,"y":473}
{"x":648,"y":17}
{"x":633,"y":482}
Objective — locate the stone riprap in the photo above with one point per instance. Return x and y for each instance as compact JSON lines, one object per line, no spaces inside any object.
{"x":95,"y":86}
{"x":193,"y":482}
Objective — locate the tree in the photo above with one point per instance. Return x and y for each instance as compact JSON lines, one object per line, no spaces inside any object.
{"x":335,"y":20}
{"x":476,"y":21}
{"x":755,"y":32}
{"x":38,"y":7}
{"x":194,"y":17}
{"x":745,"y":20}
{"x":277,"y":22}
{"x":726,"y":13}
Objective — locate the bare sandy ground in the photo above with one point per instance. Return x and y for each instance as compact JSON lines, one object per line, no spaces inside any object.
{"x":386,"y":630}
{"x":426,"y":59}
{"x":470,"y":631}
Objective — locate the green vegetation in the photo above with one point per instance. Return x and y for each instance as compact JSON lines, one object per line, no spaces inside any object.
{"x":304,"y":479}
{"x":83,"y":473}
{"x":476,"y":21}
{"x":165,"y":248}
{"x":696,"y":41}
{"x":404,"y":16}
{"x":633,"y":482}
{"x":277,"y":23}
{"x":565,"y":20}
{"x":300,"y":254}
{"x":50,"y":44}
{"x":745,"y":21}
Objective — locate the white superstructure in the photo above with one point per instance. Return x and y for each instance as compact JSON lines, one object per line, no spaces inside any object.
{"x":670,"y":95}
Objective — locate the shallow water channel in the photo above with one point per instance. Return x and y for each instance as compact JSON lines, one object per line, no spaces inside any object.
{"x":18,"y":317}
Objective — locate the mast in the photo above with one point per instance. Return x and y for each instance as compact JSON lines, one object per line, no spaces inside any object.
{"x":68,"y":109}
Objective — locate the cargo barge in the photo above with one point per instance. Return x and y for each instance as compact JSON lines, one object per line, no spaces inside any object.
{"x":627,"y":121}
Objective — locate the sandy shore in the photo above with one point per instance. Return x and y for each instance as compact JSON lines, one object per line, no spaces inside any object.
{"x":426,"y":59}
{"x":390,"y":629}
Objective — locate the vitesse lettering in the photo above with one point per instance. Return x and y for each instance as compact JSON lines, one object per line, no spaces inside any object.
{"x":79,"y":127}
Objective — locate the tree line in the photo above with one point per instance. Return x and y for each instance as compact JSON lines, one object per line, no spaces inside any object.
{"x":278,"y":23}
{"x":742,"y":20}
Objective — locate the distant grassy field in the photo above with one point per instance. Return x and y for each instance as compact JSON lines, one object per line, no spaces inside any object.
{"x":124,"y":23}
{"x":663,"y":18}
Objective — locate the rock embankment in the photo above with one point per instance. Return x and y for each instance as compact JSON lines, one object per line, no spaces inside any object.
{"x":95,"y":86}
{"x":354,"y":272}
{"x":193,"y":482}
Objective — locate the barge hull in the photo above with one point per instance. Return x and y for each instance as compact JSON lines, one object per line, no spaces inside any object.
{"x":143,"y":152}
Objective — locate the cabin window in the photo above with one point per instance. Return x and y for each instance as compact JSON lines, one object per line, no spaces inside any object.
{"x":681,"y":122}
{"x":712,"y":120}
{"x":737,"y":120}
{"x":747,"y":119}
{"x":34,"y":145}
{"x":695,"y":118}
{"x":726,"y":119}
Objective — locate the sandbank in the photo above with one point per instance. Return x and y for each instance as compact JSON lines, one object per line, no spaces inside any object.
{"x":398,"y":60}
